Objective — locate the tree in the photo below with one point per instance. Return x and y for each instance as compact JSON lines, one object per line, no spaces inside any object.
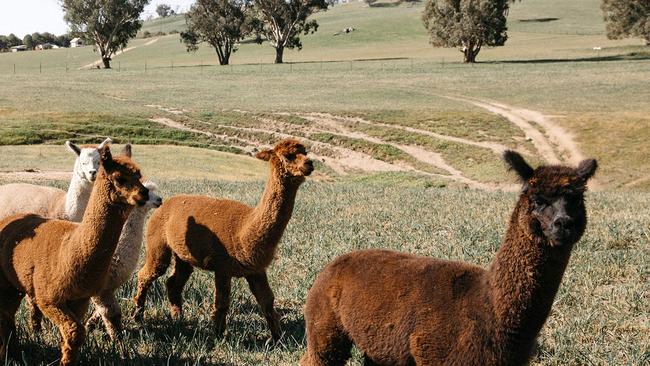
{"x":284,"y":21}
{"x":220,"y":23}
{"x":13,"y":40}
{"x":627,"y":18}
{"x":29,"y":41}
{"x":4,"y":43}
{"x":108,"y":23}
{"x":467,"y":24}
{"x":164,"y":10}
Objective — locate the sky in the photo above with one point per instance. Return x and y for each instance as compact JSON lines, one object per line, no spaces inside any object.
{"x":23,"y":17}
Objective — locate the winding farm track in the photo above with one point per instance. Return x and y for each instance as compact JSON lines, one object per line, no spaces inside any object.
{"x":128,"y":49}
{"x":550,"y":141}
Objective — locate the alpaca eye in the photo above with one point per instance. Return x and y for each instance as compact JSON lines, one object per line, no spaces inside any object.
{"x":539,"y":202}
{"x":121,"y":181}
{"x":291,"y":157}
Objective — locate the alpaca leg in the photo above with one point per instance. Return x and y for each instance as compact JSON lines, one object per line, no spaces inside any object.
{"x":222,"y":286}
{"x":156,"y":263}
{"x":259,"y":285}
{"x":175,"y":284}
{"x":71,"y":329}
{"x":108,"y":310}
{"x":327,"y":342}
{"x":9,"y":304}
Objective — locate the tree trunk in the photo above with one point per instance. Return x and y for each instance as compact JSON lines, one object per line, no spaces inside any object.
{"x":470,"y":52}
{"x":107,"y":62}
{"x":279,"y":51}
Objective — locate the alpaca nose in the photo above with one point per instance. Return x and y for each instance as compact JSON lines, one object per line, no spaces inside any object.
{"x":93,"y":173}
{"x":562,"y":222}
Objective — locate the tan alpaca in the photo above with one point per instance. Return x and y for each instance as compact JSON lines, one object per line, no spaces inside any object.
{"x":61,"y":264}
{"x":227,"y":237}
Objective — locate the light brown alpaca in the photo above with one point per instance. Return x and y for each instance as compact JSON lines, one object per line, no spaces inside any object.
{"x":227,"y":237}
{"x":401,"y":309}
{"x":61,"y":264}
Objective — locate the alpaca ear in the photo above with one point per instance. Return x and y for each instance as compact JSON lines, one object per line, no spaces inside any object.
{"x":105,"y":156}
{"x":587,"y":169}
{"x":517,"y":163}
{"x":127,"y":150}
{"x":72,"y":147}
{"x":264,"y":155}
{"x":104,"y":143}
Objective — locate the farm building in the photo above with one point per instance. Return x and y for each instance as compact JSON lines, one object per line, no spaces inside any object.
{"x":77,"y":42}
{"x":19,"y":48}
{"x":45,"y":46}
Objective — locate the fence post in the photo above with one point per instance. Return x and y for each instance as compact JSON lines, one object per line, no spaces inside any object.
{"x":260,"y":64}
{"x":66,"y":67}
{"x":14,"y":69}
{"x":40,"y":67}
{"x":172,"y":65}
{"x":145,"y":65}
{"x":119,"y":66}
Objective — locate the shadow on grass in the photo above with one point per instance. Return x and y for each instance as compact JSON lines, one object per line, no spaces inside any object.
{"x":291,"y":322}
{"x":623,"y":57}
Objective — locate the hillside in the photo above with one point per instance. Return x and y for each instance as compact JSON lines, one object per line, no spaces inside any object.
{"x":408,"y":94}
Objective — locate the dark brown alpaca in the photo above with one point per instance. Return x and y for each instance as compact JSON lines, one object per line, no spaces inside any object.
{"x":401,"y":309}
{"x":61,"y":264}
{"x":227,"y":237}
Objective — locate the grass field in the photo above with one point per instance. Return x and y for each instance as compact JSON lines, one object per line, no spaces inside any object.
{"x":600,"y":315}
{"x":408,"y":144}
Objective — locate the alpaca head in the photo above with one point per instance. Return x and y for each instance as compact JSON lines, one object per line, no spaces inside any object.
{"x":124,"y":179}
{"x":87,"y":163}
{"x":554,"y":196}
{"x":290,"y":158}
{"x":154,"y":200}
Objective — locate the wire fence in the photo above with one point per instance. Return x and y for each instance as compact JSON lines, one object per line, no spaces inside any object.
{"x":397,"y":64}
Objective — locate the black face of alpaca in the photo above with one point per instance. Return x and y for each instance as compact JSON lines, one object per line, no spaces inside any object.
{"x":560,"y":218}
{"x":555,"y":197}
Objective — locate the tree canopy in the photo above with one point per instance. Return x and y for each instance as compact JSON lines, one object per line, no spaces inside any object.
{"x":220,"y":23}
{"x":164,"y":10}
{"x":627,"y":18}
{"x":284,"y":20}
{"x":467,"y":24}
{"x":109,"y":23}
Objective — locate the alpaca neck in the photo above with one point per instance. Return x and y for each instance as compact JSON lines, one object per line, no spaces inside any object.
{"x":130,"y":241}
{"x":77,"y":198}
{"x":523,"y":279}
{"x":90,"y":247}
{"x":269,"y":218}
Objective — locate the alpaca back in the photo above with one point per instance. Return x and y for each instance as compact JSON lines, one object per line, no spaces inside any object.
{"x":30,"y":198}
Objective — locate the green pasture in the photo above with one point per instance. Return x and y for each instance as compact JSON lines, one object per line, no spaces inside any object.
{"x":600,"y":315}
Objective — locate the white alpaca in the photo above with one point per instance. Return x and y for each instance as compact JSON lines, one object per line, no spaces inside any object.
{"x":124,"y":262}
{"x":52,"y":202}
